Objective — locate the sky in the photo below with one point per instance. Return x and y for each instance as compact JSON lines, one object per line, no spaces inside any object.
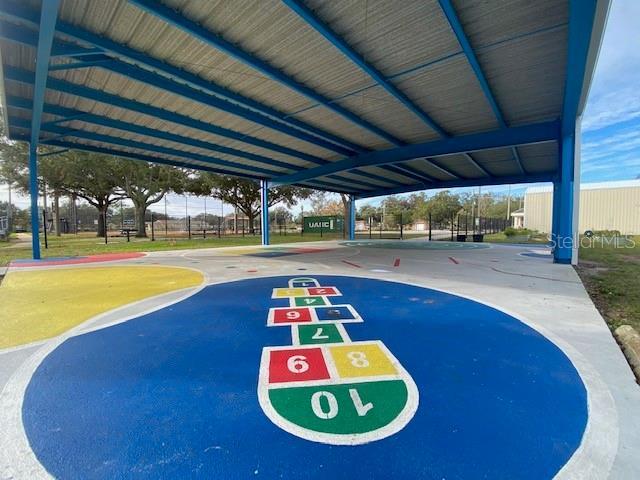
{"x":610,"y":126}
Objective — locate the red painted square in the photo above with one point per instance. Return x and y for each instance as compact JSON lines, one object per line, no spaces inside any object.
{"x":322,"y":291}
{"x":289,"y":315}
{"x":297,"y":365}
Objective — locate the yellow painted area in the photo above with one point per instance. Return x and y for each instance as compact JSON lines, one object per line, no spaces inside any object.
{"x":40,"y":304}
{"x":289,"y":292}
{"x":361,"y":361}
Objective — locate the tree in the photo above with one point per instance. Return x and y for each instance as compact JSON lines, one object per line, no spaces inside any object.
{"x":443,"y":205}
{"x":146,"y":184}
{"x":244,"y":194}
{"x":324,"y":203}
{"x":97,"y":179}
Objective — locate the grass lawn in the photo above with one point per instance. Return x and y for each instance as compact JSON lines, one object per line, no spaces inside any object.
{"x":612,"y":278}
{"x":502,"y":238}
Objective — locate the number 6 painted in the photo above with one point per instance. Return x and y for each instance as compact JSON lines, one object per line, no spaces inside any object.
{"x":297,"y":364}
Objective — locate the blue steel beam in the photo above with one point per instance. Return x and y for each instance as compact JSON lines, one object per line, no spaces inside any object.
{"x":47,"y":26}
{"x":25,"y":76}
{"x":457,"y":28}
{"x":176,"y":20}
{"x":335,"y":187}
{"x":18,"y":34}
{"x":298,"y":7}
{"x":70,"y":114}
{"x":506,"y":137}
{"x":139,"y":156}
{"x":333,"y":38}
{"x":543,"y":177}
{"x":264,"y":211}
{"x":97,"y":137}
{"x":236,"y":103}
{"x":582,"y":15}
{"x":441,"y":169}
{"x":352,"y":217}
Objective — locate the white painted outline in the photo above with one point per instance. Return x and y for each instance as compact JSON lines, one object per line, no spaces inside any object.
{"x":397,"y":424}
{"x":292,"y":302}
{"x":593,"y":458}
{"x":295,"y":334}
{"x":305,"y":280}
{"x":305,"y":294}
{"x":314,"y":316}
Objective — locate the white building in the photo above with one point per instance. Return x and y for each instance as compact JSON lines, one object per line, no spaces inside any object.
{"x":603,"y":206}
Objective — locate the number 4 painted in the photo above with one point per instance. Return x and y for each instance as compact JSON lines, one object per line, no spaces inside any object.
{"x":357,"y":402}
{"x":318,"y":335}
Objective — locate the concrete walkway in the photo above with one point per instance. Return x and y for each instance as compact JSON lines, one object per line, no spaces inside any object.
{"x":519,"y":281}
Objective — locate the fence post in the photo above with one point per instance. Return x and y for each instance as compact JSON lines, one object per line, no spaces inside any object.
{"x":219,"y":227}
{"x":401,"y":228}
{"x":452,"y":217}
{"x":381,"y":229}
{"x":429,"y":226}
{"x":189,"y":226}
{"x":320,"y":229}
{"x":458,"y":224}
{"x":153,"y":230}
{"x":369,"y":227}
{"x":44,"y":223}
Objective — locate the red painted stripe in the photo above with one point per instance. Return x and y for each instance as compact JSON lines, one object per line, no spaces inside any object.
{"x":396,"y":263}
{"x":352,"y":264}
{"x":454,"y":260}
{"x":103,"y":257}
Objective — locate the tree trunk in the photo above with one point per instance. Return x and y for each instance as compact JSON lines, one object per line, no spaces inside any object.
{"x":56,"y":213}
{"x":101,"y":223}
{"x":251,"y":217}
{"x":141,"y":211}
{"x":346,"y":211}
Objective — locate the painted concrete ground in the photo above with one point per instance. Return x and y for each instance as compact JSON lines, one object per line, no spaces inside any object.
{"x":262,"y":374}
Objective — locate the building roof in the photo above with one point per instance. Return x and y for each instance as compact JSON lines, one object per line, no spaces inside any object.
{"x":590,"y":186}
{"x":518,"y":213}
{"x":366,"y":98}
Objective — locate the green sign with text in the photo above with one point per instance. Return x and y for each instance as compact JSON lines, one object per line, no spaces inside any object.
{"x":326,"y":223}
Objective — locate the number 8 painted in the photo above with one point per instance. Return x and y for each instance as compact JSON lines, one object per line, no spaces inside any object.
{"x":358,"y":359}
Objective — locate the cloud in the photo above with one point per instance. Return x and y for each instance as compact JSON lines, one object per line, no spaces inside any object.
{"x":614,"y":96}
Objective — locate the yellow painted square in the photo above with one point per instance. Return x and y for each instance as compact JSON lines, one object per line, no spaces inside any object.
{"x":361,"y":360}
{"x":289,"y":292}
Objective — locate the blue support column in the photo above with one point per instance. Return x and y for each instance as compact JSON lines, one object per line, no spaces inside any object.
{"x":352,"y":217}
{"x":564,"y":240}
{"x":33,"y":192}
{"x":555,"y":214}
{"x":264,"y":205}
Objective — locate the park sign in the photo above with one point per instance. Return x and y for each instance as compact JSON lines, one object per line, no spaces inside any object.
{"x":326,"y":223}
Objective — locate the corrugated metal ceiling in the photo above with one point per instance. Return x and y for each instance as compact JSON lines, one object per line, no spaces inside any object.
{"x":521,"y":47}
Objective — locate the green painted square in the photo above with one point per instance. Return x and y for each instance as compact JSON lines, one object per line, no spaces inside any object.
{"x":310,"y":301}
{"x":313,"y":334}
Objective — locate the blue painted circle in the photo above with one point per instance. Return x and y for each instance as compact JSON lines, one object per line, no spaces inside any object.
{"x":172,"y":394}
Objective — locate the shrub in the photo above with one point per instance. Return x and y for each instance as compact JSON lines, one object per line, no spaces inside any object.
{"x":518,"y":232}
